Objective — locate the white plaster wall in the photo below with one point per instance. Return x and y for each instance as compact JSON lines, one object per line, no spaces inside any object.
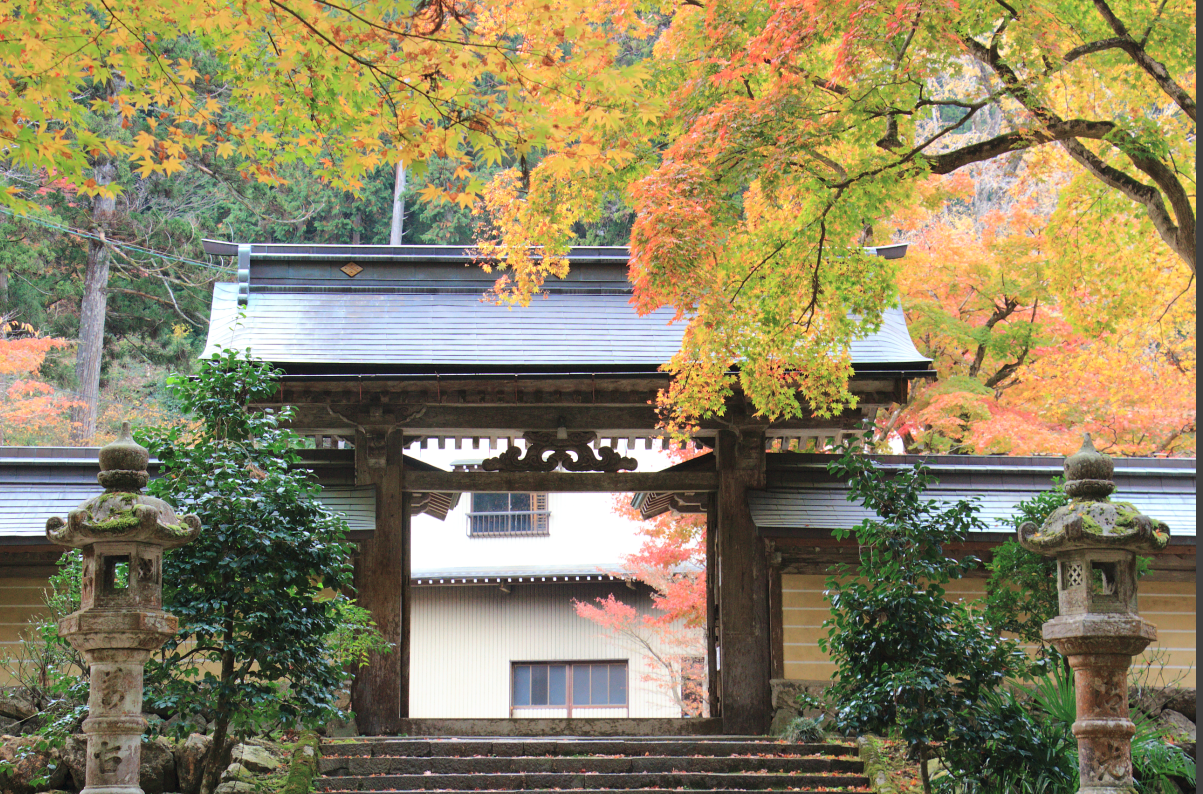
{"x":466,"y":637}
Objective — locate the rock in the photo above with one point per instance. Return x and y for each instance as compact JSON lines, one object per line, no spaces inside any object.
{"x":1149,"y":699}
{"x":255,"y":759}
{"x":32,"y":770}
{"x":341,"y":728}
{"x":235,"y":787}
{"x":786,"y":691}
{"x":781,"y":720}
{"x":189,"y":762}
{"x":75,"y":756}
{"x":154,"y":723}
{"x":8,"y":725}
{"x":157,"y":772}
{"x":17,"y":705}
{"x":1183,"y":702}
{"x":193,"y":723}
{"x":237,"y":771}
{"x":1181,"y":729}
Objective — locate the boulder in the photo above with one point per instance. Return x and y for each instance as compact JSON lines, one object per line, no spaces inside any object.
{"x":16,"y":704}
{"x":1181,"y":729}
{"x":193,"y":723}
{"x":157,"y":772}
{"x":1149,"y":699}
{"x":781,"y":720}
{"x":189,"y":762}
{"x":154,"y":723}
{"x":341,"y":728}
{"x":235,"y":787}
{"x":31,"y":769}
{"x":237,"y":771}
{"x":1183,"y":702}
{"x":256,"y":759}
{"x":786,"y":691}
{"x":75,"y":755}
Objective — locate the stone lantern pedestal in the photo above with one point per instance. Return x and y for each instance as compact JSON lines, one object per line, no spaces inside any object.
{"x":122,"y":534}
{"x":1099,"y":630}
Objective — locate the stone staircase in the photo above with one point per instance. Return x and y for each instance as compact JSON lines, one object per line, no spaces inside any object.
{"x":640,"y":765}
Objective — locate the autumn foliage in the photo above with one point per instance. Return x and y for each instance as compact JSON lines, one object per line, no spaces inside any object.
{"x":340,"y":88}
{"x":1029,"y":358}
{"x":672,"y":562}
{"x":30,"y":409}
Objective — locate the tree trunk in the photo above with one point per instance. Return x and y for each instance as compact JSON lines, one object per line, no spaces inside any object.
{"x":95,"y":299}
{"x":397,"y":230}
{"x":216,"y":761}
{"x":923,"y":775}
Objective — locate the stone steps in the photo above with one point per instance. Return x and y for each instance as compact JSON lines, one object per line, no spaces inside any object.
{"x":638,"y":765}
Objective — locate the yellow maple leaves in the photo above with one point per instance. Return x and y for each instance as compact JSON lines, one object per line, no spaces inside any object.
{"x":342,"y":90}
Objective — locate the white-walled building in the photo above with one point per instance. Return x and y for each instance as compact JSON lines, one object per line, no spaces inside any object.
{"x":495,"y":631}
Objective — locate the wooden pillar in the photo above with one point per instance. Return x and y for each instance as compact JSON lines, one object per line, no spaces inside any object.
{"x":776,"y":613}
{"x":380,"y":692}
{"x":743,"y":587}
{"x":713,"y":680}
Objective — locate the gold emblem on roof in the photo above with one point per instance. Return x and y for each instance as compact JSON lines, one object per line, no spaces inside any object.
{"x":351,"y":269}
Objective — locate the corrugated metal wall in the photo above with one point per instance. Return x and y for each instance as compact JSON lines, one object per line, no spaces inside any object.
{"x":1168,"y":605}
{"x":464,"y":639}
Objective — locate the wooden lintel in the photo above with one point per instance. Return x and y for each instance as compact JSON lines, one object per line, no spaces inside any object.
{"x":501,"y":420}
{"x":534,"y":482}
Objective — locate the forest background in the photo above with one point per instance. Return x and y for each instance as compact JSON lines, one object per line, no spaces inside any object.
{"x":1012,"y":147}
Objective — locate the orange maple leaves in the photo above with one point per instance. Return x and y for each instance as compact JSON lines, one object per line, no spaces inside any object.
{"x":29,"y":408}
{"x":1031,"y":355}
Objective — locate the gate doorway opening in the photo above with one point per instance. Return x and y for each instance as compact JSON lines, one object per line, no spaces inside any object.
{"x":556,"y":605}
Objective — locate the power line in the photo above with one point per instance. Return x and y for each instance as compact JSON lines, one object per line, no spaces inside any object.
{"x":116,"y":243}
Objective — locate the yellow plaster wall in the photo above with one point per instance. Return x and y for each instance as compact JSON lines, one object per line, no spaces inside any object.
{"x":20,"y":600}
{"x":1168,"y":605}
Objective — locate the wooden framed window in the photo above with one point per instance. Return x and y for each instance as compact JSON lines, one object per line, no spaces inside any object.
{"x":499,"y":515}
{"x":569,"y":689}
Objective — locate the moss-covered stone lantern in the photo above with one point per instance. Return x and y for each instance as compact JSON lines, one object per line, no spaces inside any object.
{"x":1098,"y":629}
{"x":122,"y":534}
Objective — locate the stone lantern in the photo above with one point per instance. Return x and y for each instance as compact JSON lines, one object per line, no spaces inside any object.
{"x":122,"y":534}
{"x":1099,"y":629}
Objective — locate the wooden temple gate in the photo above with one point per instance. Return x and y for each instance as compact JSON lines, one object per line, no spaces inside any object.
{"x":497,"y":379}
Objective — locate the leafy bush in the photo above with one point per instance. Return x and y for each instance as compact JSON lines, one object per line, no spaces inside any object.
{"x":253,"y":649}
{"x":1002,"y":747}
{"x":804,"y":729}
{"x":906,"y":656}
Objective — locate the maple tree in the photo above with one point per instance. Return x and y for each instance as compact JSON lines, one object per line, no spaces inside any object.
{"x":29,"y":407}
{"x":799,"y":128}
{"x":90,"y":92}
{"x":672,"y":562}
{"x":1028,"y":358}
{"x":340,"y":87}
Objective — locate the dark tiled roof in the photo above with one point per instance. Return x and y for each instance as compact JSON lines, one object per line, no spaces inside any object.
{"x":458,"y":329}
{"x":802,"y":495}
{"x":37,"y":483}
{"x":420,"y":306}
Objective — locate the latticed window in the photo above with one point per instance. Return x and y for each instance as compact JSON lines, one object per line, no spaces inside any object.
{"x":508,"y":514}
{"x":578,"y":686}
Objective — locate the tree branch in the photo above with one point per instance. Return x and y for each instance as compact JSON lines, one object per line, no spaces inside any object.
{"x":1154,"y":68}
{"x":1180,"y":236}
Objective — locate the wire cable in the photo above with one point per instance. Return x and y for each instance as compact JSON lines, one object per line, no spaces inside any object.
{"x":117,"y":243}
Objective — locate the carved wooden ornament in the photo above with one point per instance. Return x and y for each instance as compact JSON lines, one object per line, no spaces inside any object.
{"x":548,"y":452}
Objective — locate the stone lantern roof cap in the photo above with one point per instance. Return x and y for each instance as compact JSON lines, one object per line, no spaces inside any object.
{"x":1091,"y":520}
{"x":123,"y":512}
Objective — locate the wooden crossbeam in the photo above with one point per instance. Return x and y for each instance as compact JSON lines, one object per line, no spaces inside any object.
{"x":556,"y":481}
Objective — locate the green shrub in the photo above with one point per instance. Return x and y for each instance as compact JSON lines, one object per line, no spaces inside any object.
{"x":804,"y":729}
